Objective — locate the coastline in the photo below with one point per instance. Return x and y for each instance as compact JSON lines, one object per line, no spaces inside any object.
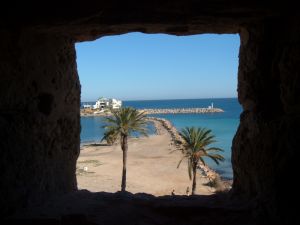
{"x":151,"y":165}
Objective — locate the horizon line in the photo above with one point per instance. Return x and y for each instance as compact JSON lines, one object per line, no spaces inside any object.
{"x":169,"y":99}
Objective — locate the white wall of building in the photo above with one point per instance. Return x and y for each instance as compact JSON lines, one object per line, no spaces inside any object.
{"x":103,"y":103}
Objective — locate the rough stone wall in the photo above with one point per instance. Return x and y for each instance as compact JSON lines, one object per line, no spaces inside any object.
{"x":39,"y":90}
{"x":264,"y":148}
{"x":39,"y":118}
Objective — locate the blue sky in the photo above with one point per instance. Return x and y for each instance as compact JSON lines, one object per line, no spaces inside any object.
{"x":138,"y":66}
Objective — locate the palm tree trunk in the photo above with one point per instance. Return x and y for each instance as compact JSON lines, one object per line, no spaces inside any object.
{"x":194,"y":178}
{"x":124,"y":146}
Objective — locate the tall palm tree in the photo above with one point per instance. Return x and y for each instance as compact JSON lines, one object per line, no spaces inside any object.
{"x":121,"y":124}
{"x":196,"y":141}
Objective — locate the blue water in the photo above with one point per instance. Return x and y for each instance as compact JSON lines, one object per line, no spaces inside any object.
{"x":223,"y":125}
{"x":92,"y":129}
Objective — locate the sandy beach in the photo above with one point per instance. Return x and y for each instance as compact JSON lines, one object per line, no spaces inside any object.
{"x":152,"y":167}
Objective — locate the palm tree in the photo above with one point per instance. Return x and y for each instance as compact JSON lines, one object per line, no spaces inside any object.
{"x":196,"y":141}
{"x":121,"y":124}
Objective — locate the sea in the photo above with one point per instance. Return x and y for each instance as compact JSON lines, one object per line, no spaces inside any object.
{"x":223,"y":125}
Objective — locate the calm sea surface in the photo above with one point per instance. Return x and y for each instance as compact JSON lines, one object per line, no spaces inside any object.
{"x":223,"y":125}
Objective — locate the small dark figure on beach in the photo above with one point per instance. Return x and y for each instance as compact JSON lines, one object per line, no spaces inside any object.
{"x":173,"y":192}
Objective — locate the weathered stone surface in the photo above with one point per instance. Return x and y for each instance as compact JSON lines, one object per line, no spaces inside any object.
{"x":86,"y":208}
{"x":264,"y":148}
{"x":39,"y":91}
{"x":98,"y":18}
{"x":39,"y":118}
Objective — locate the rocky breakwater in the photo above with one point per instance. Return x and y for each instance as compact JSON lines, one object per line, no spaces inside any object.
{"x":178,"y":141}
{"x":182,"y":110}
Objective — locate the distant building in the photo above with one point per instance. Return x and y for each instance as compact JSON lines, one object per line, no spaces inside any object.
{"x":115,"y":104}
{"x":211,"y":106}
{"x":87,"y":106}
{"x":105,"y":103}
{"x":101,"y":103}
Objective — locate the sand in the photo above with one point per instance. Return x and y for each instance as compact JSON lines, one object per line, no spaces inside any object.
{"x":151,"y":167}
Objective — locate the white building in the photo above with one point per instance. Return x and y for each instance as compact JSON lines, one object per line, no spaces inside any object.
{"x":101,"y":103}
{"x":105,"y":103}
{"x":115,"y":104}
{"x":86,"y":106}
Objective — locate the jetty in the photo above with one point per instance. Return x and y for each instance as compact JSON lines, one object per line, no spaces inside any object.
{"x":96,"y":112}
{"x":182,"y":110}
{"x":92,"y":112}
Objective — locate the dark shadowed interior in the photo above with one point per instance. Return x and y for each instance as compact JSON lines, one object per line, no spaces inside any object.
{"x":40,"y":120}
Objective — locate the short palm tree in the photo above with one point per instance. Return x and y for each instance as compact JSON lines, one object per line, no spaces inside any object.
{"x":196,"y":141}
{"x":121,"y":124}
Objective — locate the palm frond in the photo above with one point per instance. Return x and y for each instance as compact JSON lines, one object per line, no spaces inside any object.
{"x":202,"y":160}
{"x":196,"y":141}
{"x":216,"y":161}
{"x":110,"y":135}
{"x":180,"y":161}
{"x":125,"y":121}
{"x":216,"y":158}
{"x":214,"y":149}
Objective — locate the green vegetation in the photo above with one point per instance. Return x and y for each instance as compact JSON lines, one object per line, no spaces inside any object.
{"x":110,"y":136}
{"x":196,"y":141}
{"x":122,"y":124}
